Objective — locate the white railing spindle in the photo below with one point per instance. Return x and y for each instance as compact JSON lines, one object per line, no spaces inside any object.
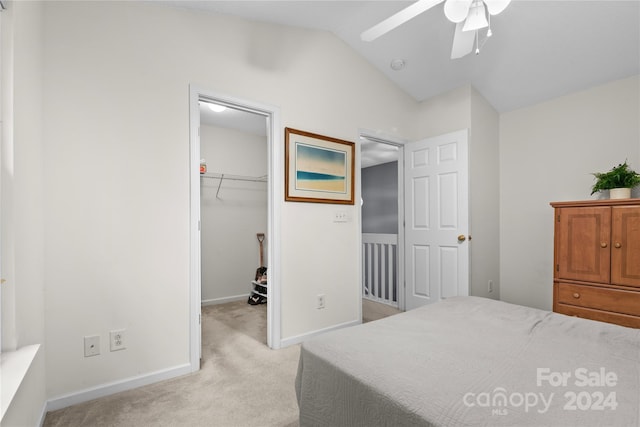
{"x":379,"y":269}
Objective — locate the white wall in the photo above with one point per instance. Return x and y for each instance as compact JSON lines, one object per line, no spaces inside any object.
{"x":447,"y":112}
{"x":547,"y":153}
{"x":117,"y":189}
{"x":230,"y":221}
{"x":484,"y":194}
{"x":22,"y":201}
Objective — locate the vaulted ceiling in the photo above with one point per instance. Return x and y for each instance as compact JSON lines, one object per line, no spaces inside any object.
{"x":539,"y":49}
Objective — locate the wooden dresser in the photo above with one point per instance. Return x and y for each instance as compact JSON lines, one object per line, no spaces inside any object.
{"x":597,"y":260}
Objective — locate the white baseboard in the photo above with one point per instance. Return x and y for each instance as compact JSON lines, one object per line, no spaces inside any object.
{"x":43,"y":414}
{"x":116,"y":387}
{"x":303,"y":337}
{"x":223,"y":300}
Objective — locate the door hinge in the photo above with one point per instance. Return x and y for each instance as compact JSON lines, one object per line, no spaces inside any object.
{"x":557,"y":267}
{"x":558,"y":217}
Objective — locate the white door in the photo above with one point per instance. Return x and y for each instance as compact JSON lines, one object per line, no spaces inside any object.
{"x":436,"y":219}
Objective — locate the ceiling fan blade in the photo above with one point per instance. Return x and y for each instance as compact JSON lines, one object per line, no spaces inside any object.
{"x":462,"y":42}
{"x":457,"y":10}
{"x":496,"y":6}
{"x":398,"y":19}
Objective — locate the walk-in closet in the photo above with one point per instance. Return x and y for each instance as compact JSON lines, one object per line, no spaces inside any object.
{"x":233,"y":212}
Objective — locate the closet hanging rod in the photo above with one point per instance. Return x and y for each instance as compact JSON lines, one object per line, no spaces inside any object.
{"x":223,"y":176}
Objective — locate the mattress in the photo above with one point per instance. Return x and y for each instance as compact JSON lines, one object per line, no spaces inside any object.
{"x":470,"y":361}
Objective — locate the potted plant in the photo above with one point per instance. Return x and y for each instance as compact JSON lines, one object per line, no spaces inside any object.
{"x":619,"y":180}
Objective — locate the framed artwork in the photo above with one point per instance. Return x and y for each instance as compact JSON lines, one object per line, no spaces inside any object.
{"x":318,"y":169}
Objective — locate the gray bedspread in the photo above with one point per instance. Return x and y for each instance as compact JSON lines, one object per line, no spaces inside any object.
{"x":471,"y":361}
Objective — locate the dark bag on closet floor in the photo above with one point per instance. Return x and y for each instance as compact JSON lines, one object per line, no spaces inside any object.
{"x":259,"y":273}
{"x":256,"y":299}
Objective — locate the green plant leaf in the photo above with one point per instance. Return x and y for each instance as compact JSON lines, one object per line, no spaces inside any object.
{"x":620,"y":176}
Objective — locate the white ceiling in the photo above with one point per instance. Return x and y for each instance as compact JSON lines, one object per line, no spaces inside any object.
{"x":540,"y":49}
{"x":232,"y":118}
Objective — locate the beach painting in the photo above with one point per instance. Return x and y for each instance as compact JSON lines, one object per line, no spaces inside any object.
{"x":318,"y":169}
{"x":321,"y":169}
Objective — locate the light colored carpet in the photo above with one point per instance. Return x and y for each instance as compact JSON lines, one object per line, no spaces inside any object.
{"x":242,"y":382}
{"x":372,"y":310}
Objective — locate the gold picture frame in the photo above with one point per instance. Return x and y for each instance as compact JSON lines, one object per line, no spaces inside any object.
{"x":318,"y":169}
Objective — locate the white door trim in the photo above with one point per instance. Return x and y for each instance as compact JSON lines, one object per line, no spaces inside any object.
{"x":275,"y":188}
{"x":398,"y":142}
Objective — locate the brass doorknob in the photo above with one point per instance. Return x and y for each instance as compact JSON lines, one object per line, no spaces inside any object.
{"x":603,"y":244}
{"x":618,"y":245}
{"x":461,"y":238}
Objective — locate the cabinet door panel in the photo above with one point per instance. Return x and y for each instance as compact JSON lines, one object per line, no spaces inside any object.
{"x":583,"y":244}
{"x":625,"y":241}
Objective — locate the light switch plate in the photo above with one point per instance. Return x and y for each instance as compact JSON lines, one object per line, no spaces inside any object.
{"x":340,"y":216}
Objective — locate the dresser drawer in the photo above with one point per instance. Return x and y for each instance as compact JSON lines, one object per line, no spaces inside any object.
{"x":607,"y":299}
{"x":602,"y":316}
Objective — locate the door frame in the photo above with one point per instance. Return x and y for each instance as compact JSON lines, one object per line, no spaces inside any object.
{"x":275,"y":177}
{"x":398,"y":142}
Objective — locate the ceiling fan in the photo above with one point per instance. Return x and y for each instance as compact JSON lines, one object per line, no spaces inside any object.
{"x":470,"y":16}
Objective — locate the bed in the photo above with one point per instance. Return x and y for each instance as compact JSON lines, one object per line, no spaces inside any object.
{"x":470,"y":361}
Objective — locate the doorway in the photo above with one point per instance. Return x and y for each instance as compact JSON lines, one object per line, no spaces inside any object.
{"x":431,"y":250}
{"x":233,"y":203}
{"x":275,"y":185}
{"x":381,"y":168}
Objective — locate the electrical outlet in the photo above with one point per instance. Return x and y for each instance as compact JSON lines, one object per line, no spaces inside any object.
{"x":117,"y":341}
{"x":91,"y":346}
{"x":320,"y":301}
{"x":490,"y":286}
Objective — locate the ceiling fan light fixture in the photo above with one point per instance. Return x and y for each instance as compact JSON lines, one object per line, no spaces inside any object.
{"x":456,"y":10}
{"x":477,"y":17}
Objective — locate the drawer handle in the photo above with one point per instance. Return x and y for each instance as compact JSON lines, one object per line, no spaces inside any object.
{"x":603,"y":244}
{"x":576,"y":295}
{"x":618,"y":245}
